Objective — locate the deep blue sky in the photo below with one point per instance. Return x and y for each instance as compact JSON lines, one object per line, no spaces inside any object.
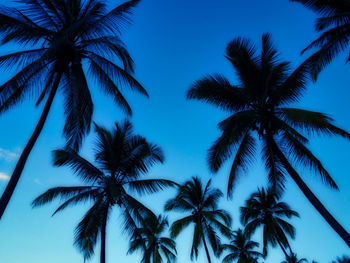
{"x":174,"y":43}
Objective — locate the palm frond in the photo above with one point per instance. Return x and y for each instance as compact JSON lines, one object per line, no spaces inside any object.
{"x":149,"y":186}
{"x":83,"y":168}
{"x":312,"y":122}
{"x":243,"y":158}
{"x":59,"y":192}
{"x":218,"y":91}
{"x":78,"y":108}
{"x":303,"y":155}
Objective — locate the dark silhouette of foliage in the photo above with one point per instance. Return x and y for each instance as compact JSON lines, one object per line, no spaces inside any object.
{"x":199,"y":206}
{"x":344,"y":259}
{"x":63,"y":39}
{"x":334,"y":27}
{"x":294,"y":259}
{"x":258,"y":112}
{"x":241,"y":249}
{"x":121,"y":159}
{"x":155,"y":247}
{"x":264,"y":210}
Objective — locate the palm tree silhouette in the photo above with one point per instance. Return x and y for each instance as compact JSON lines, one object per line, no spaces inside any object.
{"x":294,"y":259}
{"x":155,"y":247}
{"x":241,"y":249}
{"x":200,"y":205}
{"x":344,"y":259}
{"x":121,"y":159}
{"x":66,"y":37}
{"x":333,"y":24}
{"x":257,"y":106}
{"x":264,"y":210}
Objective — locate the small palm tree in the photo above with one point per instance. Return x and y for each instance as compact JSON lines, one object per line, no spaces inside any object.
{"x":241,"y":249}
{"x":264,"y":210}
{"x":344,"y":259}
{"x":155,"y":247}
{"x":333,"y":25}
{"x":64,"y":38}
{"x":199,"y":206}
{"x":258,"y":112}
{"x":294,"y":259}
{"x":121,"y":159}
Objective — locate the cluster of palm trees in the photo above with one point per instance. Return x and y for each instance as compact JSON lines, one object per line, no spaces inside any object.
{"x":72,"y":41}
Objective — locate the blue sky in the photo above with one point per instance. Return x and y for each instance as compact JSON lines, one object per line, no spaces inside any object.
{"x":174,"y":43}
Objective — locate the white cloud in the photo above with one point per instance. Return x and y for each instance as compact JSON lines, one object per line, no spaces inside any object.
{"x":4,"y":177}
{"x":8,"y":156}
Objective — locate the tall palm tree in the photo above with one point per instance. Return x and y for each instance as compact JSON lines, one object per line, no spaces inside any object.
{"x":257,"y":108}
{"x":64,"y":38}
{"x":294,"y":259}
{"x":334,"y":27}
{"x":263,"y":209}
{"x":121,"y":159}
{"x":241,"y":249}
{"x":155,"y":247}
{"x":199,"y":205}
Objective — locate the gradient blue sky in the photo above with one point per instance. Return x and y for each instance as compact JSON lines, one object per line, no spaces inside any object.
{"x":174,"y":43}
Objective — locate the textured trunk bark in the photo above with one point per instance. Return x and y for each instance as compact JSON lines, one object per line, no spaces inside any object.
{"x":310,"y":196}
{"x":6,"y":196}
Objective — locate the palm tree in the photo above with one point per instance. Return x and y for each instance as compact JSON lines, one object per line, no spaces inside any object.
{"x":155,"y":247}
{"x":294,"y":259}
{"x":241,"y":249}
{"x":257,"y":108}
{"x":121,"y":159}
{"x":65,"y":37}
{"x":263,"y":209}
{"x":200,"y":206}
{"x":333,"y":25}
{"x":344,"y":259}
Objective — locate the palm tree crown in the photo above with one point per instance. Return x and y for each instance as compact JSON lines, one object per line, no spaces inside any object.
{"x":66,"y":40}
{"x":155,"y":247}
{"x":294,"y":259}
{"x":257,"y":108}
{"x":334,"y":26}
{"x":200,"y":204}
{"x":121,"y":159}
{"x":241,"y":249}
{"x":263,"y":209}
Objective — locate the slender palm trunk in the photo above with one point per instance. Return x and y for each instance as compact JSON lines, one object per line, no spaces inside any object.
{"x":290,"y":248}
{"x":283,"y":249}
{"x":310,"y":195}
{"x":103,"y":238}
{"x":206,"y":249}
{"x":6,"y":196}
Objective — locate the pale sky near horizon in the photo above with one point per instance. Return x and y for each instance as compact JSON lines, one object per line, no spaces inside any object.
{"x":173,"y":44}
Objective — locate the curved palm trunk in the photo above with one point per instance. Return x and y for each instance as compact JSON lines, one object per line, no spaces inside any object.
{"x":206,"y":249}
{"x":103,"y":239}
{"x":6,"y":196}
{"x":310,"y":195}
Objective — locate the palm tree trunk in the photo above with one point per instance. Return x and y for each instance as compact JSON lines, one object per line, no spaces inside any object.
{"x":103,"y":238}
{"x":310,"y":195}
{"x":283,"y":249}
{"x":6,"y":196}
{"x":206,"y":249}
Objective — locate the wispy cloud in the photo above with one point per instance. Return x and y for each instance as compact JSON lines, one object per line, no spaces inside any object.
{"x":4,"y":177}
{"x":8,"y":156}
